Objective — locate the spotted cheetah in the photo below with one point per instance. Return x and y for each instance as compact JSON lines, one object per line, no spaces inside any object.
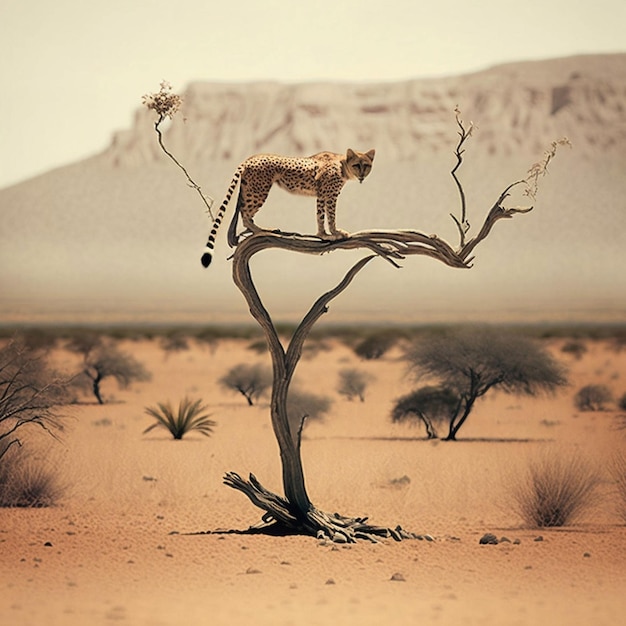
{"x":322,"y":175}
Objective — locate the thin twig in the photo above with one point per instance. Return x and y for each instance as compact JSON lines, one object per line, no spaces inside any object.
{"x":208,"y":202}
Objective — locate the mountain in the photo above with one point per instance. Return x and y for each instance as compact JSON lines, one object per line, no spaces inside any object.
{"x":119,"y":235}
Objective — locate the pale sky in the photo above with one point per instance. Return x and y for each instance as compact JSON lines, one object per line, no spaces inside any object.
{"x":73,"y":71}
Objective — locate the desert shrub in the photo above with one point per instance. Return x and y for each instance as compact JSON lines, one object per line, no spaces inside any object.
{"x":375,"y":346}
{"x":303,"y":406}
{"x":251,"y":381}
{"x":431,"y":406}
{"x":618,"y":473}
{"x":593,"y":398}
{"x":31,"y":393}
{"x":27,"y":481}
{"x":258,"y":347}
{"x":574,"y":348}
{"x":353,"y":383}
{"x":554,"y":491}
{"x":174,"y":342}
{"x":190,"y":416}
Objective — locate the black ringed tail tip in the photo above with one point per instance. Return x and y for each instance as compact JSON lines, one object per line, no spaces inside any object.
{"x":206,"y":259}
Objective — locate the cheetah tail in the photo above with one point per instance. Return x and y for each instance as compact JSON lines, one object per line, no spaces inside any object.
{"x":207,"y":257}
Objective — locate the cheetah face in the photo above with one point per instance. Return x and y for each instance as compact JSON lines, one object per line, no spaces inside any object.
{"x":359,"y":164}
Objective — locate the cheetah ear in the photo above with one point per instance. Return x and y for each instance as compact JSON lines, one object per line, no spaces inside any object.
{"x":350,"y":154}
{"x":371,"y":153}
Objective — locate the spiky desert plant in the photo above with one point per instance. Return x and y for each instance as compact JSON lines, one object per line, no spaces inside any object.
{"x":189,"y":416}
{"x":555,"y":490}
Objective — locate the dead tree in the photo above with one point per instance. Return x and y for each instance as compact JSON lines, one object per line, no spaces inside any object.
{"x":294,"y":512}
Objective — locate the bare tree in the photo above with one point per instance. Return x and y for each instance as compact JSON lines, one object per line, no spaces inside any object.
{"x":251,"y":381}
{"x":31,"y":393}
{"x":102,"y":359}
{"x":474,"y":361}
{"x":294,"y":512}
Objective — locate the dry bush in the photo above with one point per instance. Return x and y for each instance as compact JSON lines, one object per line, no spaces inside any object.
{"x":593,"y":398}
{"x":304,"y":406}
{"x":575,"y":348}
{"x":28,"y":481}
{"x":554,"y":491}
{"x":251,"y":381}
{"x":353,"y":383}
{"x":375,"y":346}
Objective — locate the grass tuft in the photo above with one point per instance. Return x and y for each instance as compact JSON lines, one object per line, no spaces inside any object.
{"x":28,"y":481}
{"x":554,"y":491}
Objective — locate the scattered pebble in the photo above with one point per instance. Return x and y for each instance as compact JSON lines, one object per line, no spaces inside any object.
{"x":587,"y":555}
{"x":48,"y":544}
{"x":505,"y":540}
{"x":488,"y":539}
{"x":538,"y":538}
{"x":330,"y":581}
{"x":398,"y":577}
{"x":253,"y":570}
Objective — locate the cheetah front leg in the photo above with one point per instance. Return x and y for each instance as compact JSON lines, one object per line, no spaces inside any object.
{"x":335,"y":233}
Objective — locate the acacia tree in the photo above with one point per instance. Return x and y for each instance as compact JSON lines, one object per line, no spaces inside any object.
{"x":103,"y":360}
{"x":251,"y":381}
{"x":295,"y":512}
{"x":430,"y":405}
{"x":473,"y":361}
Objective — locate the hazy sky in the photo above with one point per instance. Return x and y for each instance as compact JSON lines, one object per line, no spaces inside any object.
{"x":73,"y":71}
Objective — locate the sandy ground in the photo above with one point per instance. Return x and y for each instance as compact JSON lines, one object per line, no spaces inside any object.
{"x":124,"y":544}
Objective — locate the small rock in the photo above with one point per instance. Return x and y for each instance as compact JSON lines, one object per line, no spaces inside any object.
{"x":516,"y":542}
{"x":505,"y":540}
{"x":330,"y":581}
{"x":538,"y":538}
{"x":587,"y":555}
{"x":339,"y":538}
{"x":253,"y":570}
{"x":48,"y":544}
{"x":398,"y":577}
{"x":488,"y":539}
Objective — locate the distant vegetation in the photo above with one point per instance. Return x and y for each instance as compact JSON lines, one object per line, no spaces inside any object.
{"x":432,"y":406}
{"x":32,"y":397}
{"x":353,"y":383}
{"x":593,"y":398}
{"x":251,"y":381}
{"x":102,"y":359}
{"x":471,"y":363}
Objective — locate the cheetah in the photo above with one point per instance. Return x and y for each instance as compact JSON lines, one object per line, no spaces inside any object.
{"x":321,"y":175}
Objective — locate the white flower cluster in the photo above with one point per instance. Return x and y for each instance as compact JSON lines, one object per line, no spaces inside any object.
{"x":164,"y":102}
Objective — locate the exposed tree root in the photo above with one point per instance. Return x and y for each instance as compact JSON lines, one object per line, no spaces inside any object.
{"x":281,"y":518}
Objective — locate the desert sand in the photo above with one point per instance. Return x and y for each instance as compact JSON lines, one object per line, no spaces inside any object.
{"x":126,"y":543}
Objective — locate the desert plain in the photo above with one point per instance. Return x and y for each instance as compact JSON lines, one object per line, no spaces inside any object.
{"x":128,"y":540}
